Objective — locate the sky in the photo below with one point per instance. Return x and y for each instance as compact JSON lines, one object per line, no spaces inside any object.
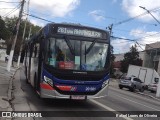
{"x":130,"y":22}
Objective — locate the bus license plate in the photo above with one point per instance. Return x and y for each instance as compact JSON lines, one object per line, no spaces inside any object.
{"x":78,"y":97}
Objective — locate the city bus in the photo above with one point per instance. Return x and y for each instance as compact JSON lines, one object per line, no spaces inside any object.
{"x":68,"y":61}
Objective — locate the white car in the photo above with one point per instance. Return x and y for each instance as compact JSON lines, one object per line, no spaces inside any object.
{"x":153,"y":87}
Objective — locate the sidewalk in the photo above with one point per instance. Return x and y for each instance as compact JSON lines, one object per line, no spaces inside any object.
{"x":12,"y":97}
{"x":114,"y":83}
{"x":5,"y":87}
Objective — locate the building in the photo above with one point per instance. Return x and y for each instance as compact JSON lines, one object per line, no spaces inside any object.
{"x":119,"y":58}
{"x":152,"y":56}
{"x":2,"y":50}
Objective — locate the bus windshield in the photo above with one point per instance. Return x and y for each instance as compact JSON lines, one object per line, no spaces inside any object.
{"x":76,"y":55}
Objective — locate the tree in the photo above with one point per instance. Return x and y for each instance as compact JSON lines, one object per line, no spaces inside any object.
{"x":10,"y":25}
{"x":131,"y":57}
{"x":112,"y":57}
{"x":4,"y":32}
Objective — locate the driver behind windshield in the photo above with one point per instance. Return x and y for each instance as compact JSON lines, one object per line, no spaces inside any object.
{"x":60,"y":55}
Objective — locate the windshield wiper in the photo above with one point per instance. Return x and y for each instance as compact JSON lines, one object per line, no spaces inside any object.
{"x":69,"y":45}
{"x":90,"y":47}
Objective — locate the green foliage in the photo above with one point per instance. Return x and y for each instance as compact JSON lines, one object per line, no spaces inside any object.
{"x":112,"y":57}
{"x":10,"y":24}
{"x":131,"y":57}
{"x":4,"y":32}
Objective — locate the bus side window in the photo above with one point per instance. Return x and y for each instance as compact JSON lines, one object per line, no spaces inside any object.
{"x":28,"y":51}
{"x":31,"y":50}
{"x":35,"y":50}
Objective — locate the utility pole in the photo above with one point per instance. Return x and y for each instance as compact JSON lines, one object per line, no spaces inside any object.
{"x":15,"y":37}
{"x":158,"y":86}
{"x":110,"y":29}
{"x":24,"y":31}
{"x":150,"y":13}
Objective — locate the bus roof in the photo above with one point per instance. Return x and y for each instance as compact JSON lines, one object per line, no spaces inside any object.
{"x":76,"y":25}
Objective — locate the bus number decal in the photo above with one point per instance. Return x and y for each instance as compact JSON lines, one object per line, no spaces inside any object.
{"x":81,"y":32}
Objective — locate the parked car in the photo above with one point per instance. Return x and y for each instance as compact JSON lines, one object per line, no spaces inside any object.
{"x":153,"y":87}
{"x":132,"y":83}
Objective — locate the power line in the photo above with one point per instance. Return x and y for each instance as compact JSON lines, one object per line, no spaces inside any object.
{"x":150,"y":13}
{"x":123,"y":42}
{"x":52,"y":21}
{"x":10,"y":12}
{"x":47,"y":15}
{"x":122,"y":30}
{"x":127,"y":20}
{"x":134,"y":40}
{"x":38,"y":17}
{"x":87,"y":23}
{"x":147,"y":36}
{"x":9,"y":2}
{"x":83,"y":22}
{"x":132,"y":18}
{"x":122,"y":38}
{"x":33,"y":11}
{"x":6,"y":8}
{"x":139,"y":45}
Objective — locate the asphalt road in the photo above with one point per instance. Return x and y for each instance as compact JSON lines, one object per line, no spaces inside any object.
{"x":117,"y":101}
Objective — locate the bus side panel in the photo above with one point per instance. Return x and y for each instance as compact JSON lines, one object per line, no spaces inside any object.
{"x":32,"y":72}
{"x":27,"y":67}
{"x":34,"y":65}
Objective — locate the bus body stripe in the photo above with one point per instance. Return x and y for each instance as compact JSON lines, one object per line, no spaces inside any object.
{"x":64,"y":88}
{"x":46,"y":86}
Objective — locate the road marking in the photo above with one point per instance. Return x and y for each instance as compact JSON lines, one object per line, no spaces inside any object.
{"x":137,"y":94}
{"x":138,"y":103}
{"x":108,"y":108}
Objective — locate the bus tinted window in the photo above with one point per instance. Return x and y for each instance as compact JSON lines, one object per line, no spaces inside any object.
{"x":60,"y":56}
{"x":66,"y":54}
{"x":96,"y":58}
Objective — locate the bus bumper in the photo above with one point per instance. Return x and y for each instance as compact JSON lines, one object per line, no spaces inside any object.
{"x":45,"y":93}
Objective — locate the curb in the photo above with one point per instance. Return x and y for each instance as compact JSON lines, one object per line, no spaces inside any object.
{"x":140,"y":93}
{"x":149,"y":96}
{"x":10,"y":90}
{"x":19,"y":103}
{"x":8,"y":97}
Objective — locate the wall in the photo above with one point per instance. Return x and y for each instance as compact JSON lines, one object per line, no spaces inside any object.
{"x":2,"y":54}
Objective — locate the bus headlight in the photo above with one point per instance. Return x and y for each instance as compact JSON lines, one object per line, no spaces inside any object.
{"x":48,"y":80}
{"x":105,"y":83}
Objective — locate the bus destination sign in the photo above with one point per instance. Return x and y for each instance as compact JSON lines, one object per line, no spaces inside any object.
{"x":79,"y":32}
